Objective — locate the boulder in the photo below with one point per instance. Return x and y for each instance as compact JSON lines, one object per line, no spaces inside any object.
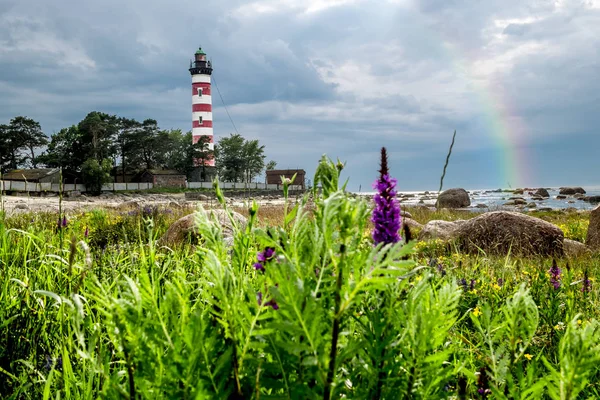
{"x":185,"y":229}
{"x":593,"y":199}
{"x":561,"y":197}
{"x":518,"y":201}
{"x":518,"y":191}
{"x":571,"y":190}
{"x":411,"y":223}
{"x":21,"y":206}
{"x":532,"y":205}
{"x":501,"y":232}
{"x":541,"y":192}
{"x":195,"y":196}
{"x":405,"y":214}
{"x":454,"y":198}
{"x":574,"y":248}
{"x":580,"y":196}
{"x":438,"y":229}
{"x":593,"y":233}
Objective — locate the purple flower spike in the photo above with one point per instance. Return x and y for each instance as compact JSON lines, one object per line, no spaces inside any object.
{"x":87,"y":232}
{"x":386,"y":215}
{"x":587,"y":283}
{"x":64,"y":221}
{"x":555,"y":273}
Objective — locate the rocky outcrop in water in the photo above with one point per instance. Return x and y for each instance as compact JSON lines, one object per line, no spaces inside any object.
{"x":541,"y":192}
{"x":454,"y":198}
{"x":571,"y":190}
{"x":592,"y":199}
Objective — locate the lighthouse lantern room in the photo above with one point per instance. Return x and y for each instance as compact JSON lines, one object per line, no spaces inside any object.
{"x":202,"y":122}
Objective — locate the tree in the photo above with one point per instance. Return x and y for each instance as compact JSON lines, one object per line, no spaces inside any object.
{"x":177,"y":154}
{"x":66,"y":150}
{"x":229,"y":158}
{"x":27,"y":134}
{"x":238,"y":159}
{"x":96,"y":174}
{"x":5,"y":151}
{"x":254,"y":159}
{"x":271,"y":165}
{"x":201,"y":154}
{"x":98,"y":132}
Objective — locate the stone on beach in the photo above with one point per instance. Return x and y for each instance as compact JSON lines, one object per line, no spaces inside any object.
{"x":501,"y":232}
{"x":438,"y":229}
{"x":185,"y":229}
{"x":454,"y":198}
{"x":593,"y":233}
{"x":571,"y":190}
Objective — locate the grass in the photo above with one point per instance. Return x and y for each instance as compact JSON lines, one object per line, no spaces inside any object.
{"x":97,"y":310}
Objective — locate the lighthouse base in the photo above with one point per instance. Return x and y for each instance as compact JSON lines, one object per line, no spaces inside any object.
{"x":202,"y":174}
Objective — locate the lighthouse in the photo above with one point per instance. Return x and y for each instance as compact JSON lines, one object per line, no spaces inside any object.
{"x":202,"y":122}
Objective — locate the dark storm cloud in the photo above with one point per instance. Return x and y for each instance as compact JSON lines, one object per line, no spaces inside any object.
{"x":342,"y":77}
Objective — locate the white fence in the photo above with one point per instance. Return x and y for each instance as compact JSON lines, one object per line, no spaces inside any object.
{"x":241,"y":186}
{"x":16,"y":186}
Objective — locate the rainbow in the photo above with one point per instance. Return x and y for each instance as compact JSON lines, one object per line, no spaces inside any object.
{"x":502,"y":123}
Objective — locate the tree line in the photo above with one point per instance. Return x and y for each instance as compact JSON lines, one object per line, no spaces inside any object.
{"x":102,"y":146}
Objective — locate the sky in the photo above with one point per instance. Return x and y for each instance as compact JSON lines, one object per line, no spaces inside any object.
{"x":519,"y":80}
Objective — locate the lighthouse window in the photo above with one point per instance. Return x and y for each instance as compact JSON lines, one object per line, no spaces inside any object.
{"x":200,"y":92}
{"x":200,"y":120}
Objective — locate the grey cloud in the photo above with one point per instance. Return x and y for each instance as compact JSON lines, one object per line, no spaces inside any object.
{"x":343,"y":81}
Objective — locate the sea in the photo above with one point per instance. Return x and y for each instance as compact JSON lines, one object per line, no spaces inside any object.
{"x":491,"y":199}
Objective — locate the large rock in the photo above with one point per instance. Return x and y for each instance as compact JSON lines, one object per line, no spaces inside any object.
{"x":592,"y":199}
{"x":574,"y":248}
{"x":593,"y":233}
{"x":185,"y":229}
{"x":501,"y":232}
{"x":571,"y":190}
{"x":454,"y":198}
{"x":438,"y":229}
{"x":541,"y":192}
{"x":411,"y":223}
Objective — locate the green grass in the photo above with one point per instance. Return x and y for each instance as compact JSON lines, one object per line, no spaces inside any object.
{"x":112,"y":315}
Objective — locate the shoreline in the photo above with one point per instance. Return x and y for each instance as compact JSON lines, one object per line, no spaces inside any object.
{"x":22,"y":204}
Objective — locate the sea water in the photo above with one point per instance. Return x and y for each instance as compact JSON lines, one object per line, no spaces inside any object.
{"x":493,"y":200}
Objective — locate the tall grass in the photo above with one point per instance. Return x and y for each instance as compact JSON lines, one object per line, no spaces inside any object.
{"x":112,"y":315}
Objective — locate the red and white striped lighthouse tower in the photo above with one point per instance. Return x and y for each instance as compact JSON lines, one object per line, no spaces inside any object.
{"x":202,"y":122}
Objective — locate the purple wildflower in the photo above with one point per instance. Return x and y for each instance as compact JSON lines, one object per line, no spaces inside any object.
{"x":472,"y":284}
{"x":555,"y":272}
{"x":64,"y":221}
{"x":271,"y":303}
{"x":463,"y":282}
{"x":500,"y":282}
{"x":264,"y":257}
{"x":87,"y":232}
{"x":386,"y":215}
{"x":587,"y":283}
